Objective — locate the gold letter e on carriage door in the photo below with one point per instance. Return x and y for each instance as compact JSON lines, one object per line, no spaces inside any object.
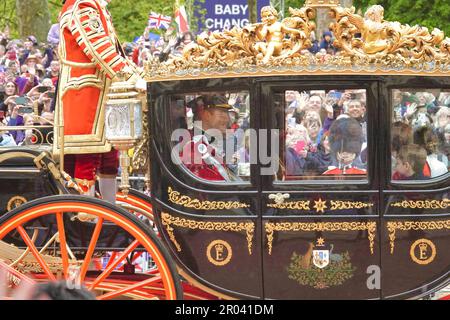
{"x":219,"y":252}
{"x":423,"y":251}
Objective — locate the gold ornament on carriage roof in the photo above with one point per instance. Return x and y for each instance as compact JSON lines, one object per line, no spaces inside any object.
{"x":367,"y":44}
{"x":321,"y":3}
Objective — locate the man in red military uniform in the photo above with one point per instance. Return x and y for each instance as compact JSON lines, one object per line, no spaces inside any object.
{"x":346,"y":139}
{"x":90,"y":56}
{"x":203,"y":154}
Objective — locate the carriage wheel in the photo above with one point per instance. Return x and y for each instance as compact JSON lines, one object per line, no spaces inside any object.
{"x":139,"y":204}
{"x":98,"y":273}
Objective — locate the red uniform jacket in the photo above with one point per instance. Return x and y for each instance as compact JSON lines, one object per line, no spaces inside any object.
{"x":198,"y":156}
{"x":90,"y":57}
{"x":348,"y":171}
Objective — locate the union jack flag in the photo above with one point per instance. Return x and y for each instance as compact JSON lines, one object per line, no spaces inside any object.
{"x":157,"y":20}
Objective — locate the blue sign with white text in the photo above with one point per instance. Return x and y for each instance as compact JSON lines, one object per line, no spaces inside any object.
{"x":224,"y":14}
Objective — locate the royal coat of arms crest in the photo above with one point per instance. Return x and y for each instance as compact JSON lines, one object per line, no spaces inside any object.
{"x":319,"y":267}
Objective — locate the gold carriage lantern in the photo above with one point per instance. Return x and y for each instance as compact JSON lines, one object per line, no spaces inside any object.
{"x":123,"y":123}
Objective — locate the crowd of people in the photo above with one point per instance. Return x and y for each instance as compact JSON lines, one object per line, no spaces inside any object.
{"x":420,"y":137}
{"x":146,"y":48}
{"x":28,"y":76}
{"x":326,"y":133}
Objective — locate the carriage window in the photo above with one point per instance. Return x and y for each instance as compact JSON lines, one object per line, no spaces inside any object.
{"x":420,"y":133}
{"x":323,"y":134}
{"x":211,"y":134}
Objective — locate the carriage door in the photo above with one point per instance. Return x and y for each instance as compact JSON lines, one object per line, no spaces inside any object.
{"x":204,"y":193}
{"x":415,"y":232}
{"x":320,"y":195}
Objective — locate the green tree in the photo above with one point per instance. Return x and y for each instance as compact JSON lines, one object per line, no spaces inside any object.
{"x":33,"y":17}
{"x":252,"y":8}
{"x":196,"y":12}
{"x":292,"y":4}
{"x":8,"y":16}
{"x":130,"y":17}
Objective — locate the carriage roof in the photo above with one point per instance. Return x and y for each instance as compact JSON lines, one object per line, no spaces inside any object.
{"x":367,"y":45}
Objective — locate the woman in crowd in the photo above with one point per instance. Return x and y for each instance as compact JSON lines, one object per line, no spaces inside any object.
{"x":11,"y":92}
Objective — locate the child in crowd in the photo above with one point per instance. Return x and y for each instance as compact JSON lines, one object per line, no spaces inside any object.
{"x":410,"y":162}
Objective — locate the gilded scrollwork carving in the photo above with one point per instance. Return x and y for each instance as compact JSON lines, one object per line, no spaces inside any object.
{"x":320,"y":205}
{"x":382,"y":39}
{"x":271,"y":227}
{"x":421,"y":204}
{"x":255,"y":44}
{"x":139,"y":160}
{"x":291,"y":205}
{"x":188,"y":202}
{"x":346,"y":205}
{"x":393,"y":226}
{"x":169,"y":221}
{"x":271,"y":47}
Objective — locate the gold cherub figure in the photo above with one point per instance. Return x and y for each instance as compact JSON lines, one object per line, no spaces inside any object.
{"x":270,"y":34}
{"x":373,"y":28}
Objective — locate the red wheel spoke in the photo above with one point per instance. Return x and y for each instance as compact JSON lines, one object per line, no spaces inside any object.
{"x":16,"y":273}
{"x":125,"y":290}
{"x":91,"y":248}
{"x":63,"y":243}
{"x":146,"y":293}
{"x":35,"y":252}
{"x":114,"y":264}
{"x":111,"y":259}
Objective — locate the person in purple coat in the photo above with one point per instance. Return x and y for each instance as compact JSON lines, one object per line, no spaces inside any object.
{"x":16,"y":120}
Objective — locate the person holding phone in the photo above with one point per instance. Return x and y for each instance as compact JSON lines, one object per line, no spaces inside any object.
{"x":84,"y":24}
{"x":16,"y":119}
{"x":27,"y":80}
{"x":11,"y":92}
{"x":45,"y":101}
{"x":36,"y":92}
